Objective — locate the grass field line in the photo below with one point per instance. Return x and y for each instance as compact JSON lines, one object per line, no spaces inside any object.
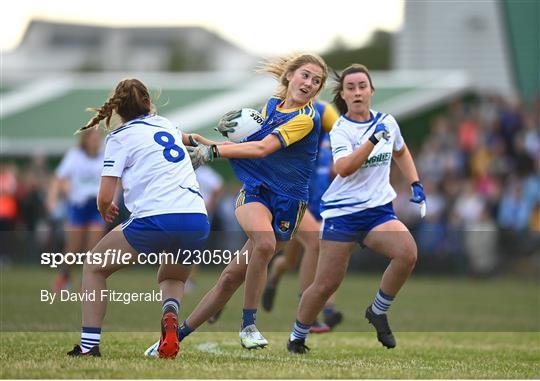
{"x":209,"y":347}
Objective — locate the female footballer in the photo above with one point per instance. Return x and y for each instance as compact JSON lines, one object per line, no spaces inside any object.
{"x":78,"y":177}
{"x":275,"y":166}
{"x":307,"y":238}
{"x":167,"y":211}
{"x":357,"y":207}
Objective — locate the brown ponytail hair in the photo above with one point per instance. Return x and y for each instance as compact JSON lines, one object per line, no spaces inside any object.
{"x":130,"y":100}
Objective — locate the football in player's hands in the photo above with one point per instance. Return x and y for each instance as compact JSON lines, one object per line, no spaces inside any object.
{"x":240,"y":124}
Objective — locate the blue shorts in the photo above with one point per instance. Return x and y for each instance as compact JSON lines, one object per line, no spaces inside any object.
{"x":286,"y":212}
{"x":355,"y":227}
{"x":167,"y":232}
{"x":315,"y":209}
{"x":84,"y":214}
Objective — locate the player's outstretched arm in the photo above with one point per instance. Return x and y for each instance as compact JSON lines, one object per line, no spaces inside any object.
{"x":194,"y":140}
{"x":203,"y":154}
{"x":251,"y":150}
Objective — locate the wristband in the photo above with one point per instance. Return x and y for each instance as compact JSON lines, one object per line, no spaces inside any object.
{"x":215,"y":151}
{"x":192,"y":141}
{"x":373,"y":139}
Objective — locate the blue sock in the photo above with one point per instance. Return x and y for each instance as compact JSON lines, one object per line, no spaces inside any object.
{"x":382,"y":303}
{"x":170,"y":305}
{"x":300,"y":331}
{"x":90,"y":337}
{"x":184,"y":331}
{"x":248,"y":317}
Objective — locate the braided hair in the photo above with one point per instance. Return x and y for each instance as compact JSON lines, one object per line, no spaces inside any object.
{"x":130,"y":100}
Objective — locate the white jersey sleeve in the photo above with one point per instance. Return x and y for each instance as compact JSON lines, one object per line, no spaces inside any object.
{"x":399,"y":142}
{"x":116,"y":157}
{"x":340,"y":142}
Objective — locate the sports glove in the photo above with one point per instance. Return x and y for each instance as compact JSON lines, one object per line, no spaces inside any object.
{"x":202,"y":154}
{"x":419,"y":197}
{"x":381,"y":132}
{"x":226,"y":123}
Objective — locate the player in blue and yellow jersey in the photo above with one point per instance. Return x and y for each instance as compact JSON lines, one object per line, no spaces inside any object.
{"x":275,"y":165}
{"x":307,"y":239}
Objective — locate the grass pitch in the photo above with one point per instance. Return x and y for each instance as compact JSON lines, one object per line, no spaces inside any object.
{"x":334,"y":355}
{"x":445,"y":328}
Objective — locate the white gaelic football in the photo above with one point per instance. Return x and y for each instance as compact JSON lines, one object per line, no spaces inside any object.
{"x":249,"y":122}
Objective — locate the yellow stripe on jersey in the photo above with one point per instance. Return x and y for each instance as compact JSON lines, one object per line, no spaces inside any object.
{"x":295,"y":129}
{"x":329,"y":117}
{"x":263,"y":111}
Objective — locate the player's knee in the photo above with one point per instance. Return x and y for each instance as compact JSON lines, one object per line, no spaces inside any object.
{"x":312,"y":247}
{"x":266,"y":246}
{"x":169,"y":275}
{"x":229,"y":281}
{"x":326,"y":287}
{"x":408,"y":255}
{"x":94,"y":269}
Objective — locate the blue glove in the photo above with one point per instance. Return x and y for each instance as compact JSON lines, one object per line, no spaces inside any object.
{"x":419,"y":197}
{"x":381,"y":132}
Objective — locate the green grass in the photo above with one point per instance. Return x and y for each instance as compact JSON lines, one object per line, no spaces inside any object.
{"x":445,"y":328}
{"x":334,"y":355}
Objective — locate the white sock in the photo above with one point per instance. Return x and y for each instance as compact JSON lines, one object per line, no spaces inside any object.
{"x":90,"y":337}
{"x":382,"y":303}
{"x":300,"y":331}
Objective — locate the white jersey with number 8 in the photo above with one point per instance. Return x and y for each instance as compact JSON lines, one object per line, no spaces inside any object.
{"x":157,"y":175}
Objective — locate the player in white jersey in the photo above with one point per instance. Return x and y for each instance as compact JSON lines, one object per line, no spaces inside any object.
{"x":167,"y":211}
{"x":357,"y":207}
{"x":78,"y":177}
